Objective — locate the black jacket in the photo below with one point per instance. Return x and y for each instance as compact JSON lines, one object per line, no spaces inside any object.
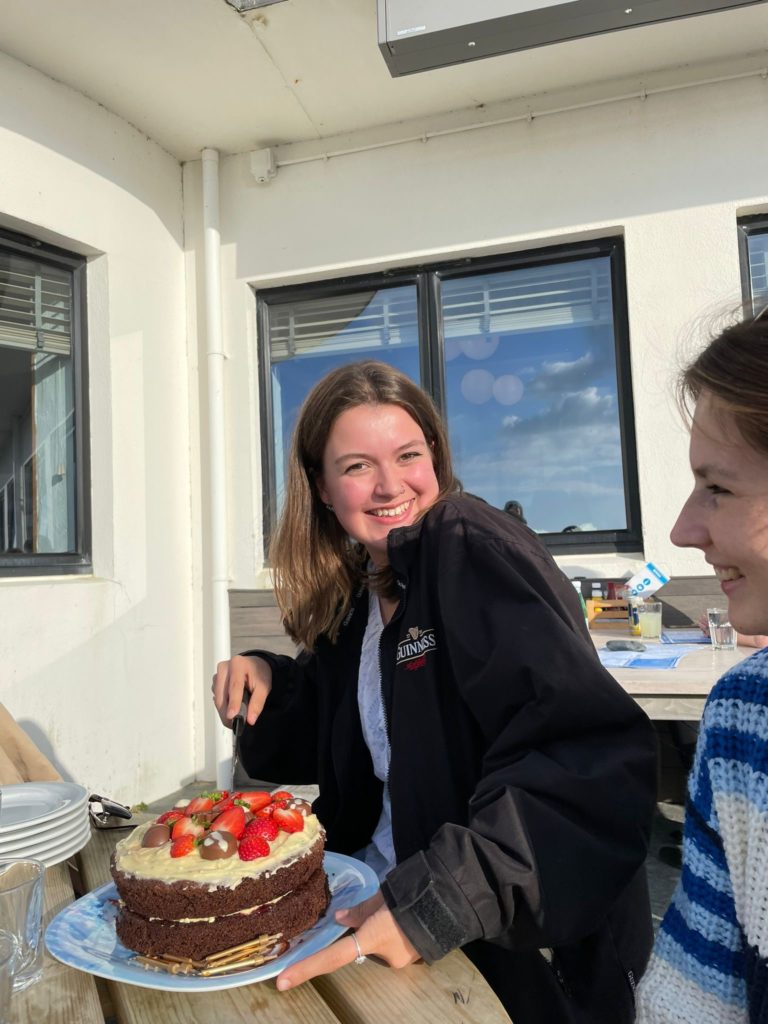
{"x":522,"y":777}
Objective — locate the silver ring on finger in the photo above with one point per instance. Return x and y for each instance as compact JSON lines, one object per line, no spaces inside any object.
{"x":360,"y":958}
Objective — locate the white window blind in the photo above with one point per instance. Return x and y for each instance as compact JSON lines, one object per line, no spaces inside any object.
{"x":357,"y":322}
{"x":529,"y":299}
{"x":35,"y":306}
{"x":525,"y":299}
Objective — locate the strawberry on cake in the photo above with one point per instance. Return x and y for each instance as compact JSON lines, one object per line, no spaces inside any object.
{"x":219,"y":871}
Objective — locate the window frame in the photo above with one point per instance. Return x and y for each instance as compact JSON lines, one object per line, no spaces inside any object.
{"x":79,"y":561}
{"x":754,"y":224}
{"x":428,"y":279}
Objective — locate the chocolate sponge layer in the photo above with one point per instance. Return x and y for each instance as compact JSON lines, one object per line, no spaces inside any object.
{"x":288,"y":917}
{"x":153,"y":898}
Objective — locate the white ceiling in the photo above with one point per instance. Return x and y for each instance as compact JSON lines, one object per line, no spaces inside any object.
{"x":196,"y":73}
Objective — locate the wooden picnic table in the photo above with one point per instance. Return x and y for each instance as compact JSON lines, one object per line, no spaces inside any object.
{"x":673,"y":693}
{"x":452,"y":991}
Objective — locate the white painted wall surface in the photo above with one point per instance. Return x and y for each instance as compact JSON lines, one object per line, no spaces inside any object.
{"x":103,"y":671}
{"x":110,"y":673}
{"x":670,"y":173}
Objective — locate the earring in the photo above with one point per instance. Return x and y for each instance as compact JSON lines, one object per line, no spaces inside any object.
{"x":329,"y":507}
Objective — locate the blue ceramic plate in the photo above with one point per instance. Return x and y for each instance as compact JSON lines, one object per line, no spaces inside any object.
{"x":83,"y":935}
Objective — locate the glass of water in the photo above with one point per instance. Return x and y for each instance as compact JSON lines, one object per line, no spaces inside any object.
{"x":21,"y":910}
{"x":721,"y":632}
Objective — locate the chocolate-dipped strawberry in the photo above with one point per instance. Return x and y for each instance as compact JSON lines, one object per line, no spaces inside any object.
{"x":297,"y":804}
{"x":156,"y":835}
{"x":218,"y":845}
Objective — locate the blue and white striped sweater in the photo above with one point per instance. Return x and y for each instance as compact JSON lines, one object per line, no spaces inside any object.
{"x":710,"y":960}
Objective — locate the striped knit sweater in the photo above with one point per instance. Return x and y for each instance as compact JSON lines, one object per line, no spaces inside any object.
{"x":710,"y":960}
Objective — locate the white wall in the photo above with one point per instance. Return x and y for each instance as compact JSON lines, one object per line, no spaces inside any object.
{"x":670,"y":173}
{"x":104,"y":671}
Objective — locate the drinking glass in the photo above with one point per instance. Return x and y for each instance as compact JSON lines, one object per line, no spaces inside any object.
{"x":21,"y":914}
{"x":721,"y":632}
{"x":649,"y":613}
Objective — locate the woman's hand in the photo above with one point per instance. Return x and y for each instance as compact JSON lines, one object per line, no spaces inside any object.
{"x":377,"y":936}
{"x":240,"y":679}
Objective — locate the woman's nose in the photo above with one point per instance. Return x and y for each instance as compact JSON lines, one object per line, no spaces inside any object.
{"x":690,"y":530}
{"x":388,"y":482}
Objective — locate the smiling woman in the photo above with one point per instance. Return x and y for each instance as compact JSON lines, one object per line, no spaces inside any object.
{"x":710,"y":961}
{"x":449,"y":704}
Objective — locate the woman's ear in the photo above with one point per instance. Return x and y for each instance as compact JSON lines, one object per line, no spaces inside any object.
{"x":321,"y":490}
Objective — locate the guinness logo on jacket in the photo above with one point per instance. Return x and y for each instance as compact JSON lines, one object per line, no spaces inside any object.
{"x":413,"y":648}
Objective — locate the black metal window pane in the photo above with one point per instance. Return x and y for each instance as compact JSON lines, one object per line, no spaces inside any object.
{"x":37,"y":450}
{"x":472,"y":310}
{"x":308,"y":337}
{"x":41,"y":485}
{"x":533,"y":395}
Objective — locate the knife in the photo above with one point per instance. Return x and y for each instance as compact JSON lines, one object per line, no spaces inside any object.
{"x":238,"y":723}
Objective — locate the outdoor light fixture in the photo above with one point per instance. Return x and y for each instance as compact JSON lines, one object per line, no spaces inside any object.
{"x":251,"y":5}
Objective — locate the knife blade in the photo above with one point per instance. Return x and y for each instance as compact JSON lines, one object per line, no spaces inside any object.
{"x":238,"y":723}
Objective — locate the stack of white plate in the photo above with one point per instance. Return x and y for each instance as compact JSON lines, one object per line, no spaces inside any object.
{"x":47,"y":821}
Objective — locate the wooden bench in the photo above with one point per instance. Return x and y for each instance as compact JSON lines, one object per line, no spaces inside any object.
{"x":254,"y":622}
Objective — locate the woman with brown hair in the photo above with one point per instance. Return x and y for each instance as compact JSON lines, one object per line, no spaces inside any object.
{"x":710,"y":961}
{"x":449,"y":704}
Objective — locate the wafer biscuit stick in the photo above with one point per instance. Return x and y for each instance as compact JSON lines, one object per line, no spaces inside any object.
{"x":262,"y":942}
{"x":238,"y":958}
{"x":155,"y":963}
{"x":241,"y":965}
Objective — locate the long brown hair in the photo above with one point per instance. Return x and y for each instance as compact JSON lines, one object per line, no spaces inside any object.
{"x":316,"y":567}
{"x":733,"y":369}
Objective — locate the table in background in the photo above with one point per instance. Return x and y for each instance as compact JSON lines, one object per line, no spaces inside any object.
{"x":449,"y":992}
{"x":63,"y":995}
{"x":673,"y":693}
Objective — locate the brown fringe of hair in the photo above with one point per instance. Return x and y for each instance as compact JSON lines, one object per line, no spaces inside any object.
{"x":733,"y":369}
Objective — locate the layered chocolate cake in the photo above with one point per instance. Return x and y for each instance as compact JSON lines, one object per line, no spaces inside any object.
{"x":219,"y":872}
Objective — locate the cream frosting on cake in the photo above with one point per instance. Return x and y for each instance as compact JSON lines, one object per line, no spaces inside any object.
{"x":154,"y":862}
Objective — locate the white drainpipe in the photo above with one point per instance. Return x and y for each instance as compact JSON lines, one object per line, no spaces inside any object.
{"x":216,"y":451}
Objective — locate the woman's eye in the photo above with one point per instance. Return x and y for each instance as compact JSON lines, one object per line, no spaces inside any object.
{"x":355,"y":467}
{"x":714,"y":489}
{"x":409,"y":456}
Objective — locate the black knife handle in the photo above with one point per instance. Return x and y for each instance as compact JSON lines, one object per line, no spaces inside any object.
{"x":238,"y":722}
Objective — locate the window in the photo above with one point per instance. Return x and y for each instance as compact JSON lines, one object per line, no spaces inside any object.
{"x":43,"y":516}
{"x":753,"y":247}
{"x":526,"y":356}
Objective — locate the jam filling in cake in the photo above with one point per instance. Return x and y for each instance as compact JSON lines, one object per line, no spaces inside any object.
{"x":220,"y":871}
